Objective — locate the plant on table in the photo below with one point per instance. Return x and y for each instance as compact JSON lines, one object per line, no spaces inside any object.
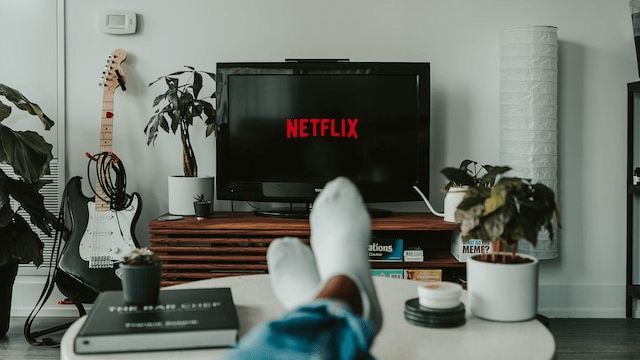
{"x":471,"y":174}
{"x":176,"y":108}
{"x":141,"y":256}
{"x":511,"y":210}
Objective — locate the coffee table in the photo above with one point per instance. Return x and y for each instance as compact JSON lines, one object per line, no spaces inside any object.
{"x":398,"y":339}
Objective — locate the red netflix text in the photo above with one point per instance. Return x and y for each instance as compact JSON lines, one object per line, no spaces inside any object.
{"x":303,"y":128}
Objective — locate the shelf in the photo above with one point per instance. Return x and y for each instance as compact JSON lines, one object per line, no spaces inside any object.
{"x":235,"y":243}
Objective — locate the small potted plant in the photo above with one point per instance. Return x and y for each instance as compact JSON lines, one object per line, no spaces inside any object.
{"x":175,"y":110}
{"x":29,"y":155}
{"x":503,"y":285}
{"x":468,"y":174}
{"x":141,"y":274}
{"x":201,"y":206}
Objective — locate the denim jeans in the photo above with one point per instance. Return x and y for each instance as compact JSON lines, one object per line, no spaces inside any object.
{"x":323,"y":329}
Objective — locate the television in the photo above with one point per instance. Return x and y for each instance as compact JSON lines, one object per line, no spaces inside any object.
{"x":286,"y":128}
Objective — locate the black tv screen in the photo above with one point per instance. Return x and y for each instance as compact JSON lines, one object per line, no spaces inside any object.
{"x":285,"y":129}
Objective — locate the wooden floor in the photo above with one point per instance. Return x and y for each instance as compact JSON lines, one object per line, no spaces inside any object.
{"x":583,"y":339}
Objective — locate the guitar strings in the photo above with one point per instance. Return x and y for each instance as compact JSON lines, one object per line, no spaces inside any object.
{"x":112,"y":179}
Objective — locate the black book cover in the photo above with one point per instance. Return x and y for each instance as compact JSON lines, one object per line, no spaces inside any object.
{"x":182,"y":319}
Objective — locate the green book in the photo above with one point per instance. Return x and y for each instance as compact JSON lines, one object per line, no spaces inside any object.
{"x":182,"y":319}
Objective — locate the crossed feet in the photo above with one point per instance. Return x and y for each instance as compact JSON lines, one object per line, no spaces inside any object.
{"x":336,"y":266}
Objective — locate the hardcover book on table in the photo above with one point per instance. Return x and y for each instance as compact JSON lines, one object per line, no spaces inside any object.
{"x":182,"y":319}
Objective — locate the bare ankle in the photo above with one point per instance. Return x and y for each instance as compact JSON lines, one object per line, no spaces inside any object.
{"x":341,"y":287}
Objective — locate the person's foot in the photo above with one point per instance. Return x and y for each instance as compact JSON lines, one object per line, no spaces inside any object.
{"x":293,"y":272}
{"x":340,"y":235}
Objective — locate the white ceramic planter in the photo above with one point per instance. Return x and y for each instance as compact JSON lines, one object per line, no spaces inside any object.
{"x":182,"y":189}
{"x":452,"y":200}
{"x":503,"y":292}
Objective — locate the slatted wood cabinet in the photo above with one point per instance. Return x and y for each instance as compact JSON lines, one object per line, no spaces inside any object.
{"x":235,"y":243}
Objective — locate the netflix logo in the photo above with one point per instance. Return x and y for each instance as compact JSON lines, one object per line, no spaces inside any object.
{"x":337,"y":128}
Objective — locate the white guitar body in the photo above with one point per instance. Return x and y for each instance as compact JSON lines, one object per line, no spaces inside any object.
{"x":108,"y":237}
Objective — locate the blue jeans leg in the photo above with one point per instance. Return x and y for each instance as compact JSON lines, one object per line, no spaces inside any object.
{"x":323,"y":329}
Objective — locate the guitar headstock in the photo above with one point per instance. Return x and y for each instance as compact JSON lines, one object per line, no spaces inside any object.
{"x":113,"y":75}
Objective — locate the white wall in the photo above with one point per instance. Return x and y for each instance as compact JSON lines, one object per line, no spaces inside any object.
{"x":461,"y":40}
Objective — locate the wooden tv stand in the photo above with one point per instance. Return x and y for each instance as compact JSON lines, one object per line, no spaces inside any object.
{"x":235,"y":243}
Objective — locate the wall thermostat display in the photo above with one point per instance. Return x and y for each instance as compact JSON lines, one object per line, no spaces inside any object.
{"x":118,"y":22}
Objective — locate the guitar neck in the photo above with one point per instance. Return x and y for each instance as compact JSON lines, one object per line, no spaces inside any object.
{"x":106,"y":144}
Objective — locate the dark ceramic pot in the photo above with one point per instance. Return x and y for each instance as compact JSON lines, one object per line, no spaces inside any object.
{"x":202,"y":209}
{"x":141,"y":283}
{"x":8,"y":274}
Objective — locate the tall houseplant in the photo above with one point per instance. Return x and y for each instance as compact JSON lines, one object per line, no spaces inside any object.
{"x":174,"y":112}
{"x":29,"y":154}
{"x":503,"y":285}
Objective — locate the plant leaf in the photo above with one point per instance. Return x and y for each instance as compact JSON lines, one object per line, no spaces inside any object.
{"x":22,"y":103}
{"x":26,"y":151}
{"x":197,"y":84}
{"x":5,"y":111}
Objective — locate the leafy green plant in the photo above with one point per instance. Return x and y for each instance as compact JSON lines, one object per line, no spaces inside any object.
{"x":176,"y":108}
{"x":141,"y":256}
{"x":471,"y":174}
{"x":511,"y":210}
{"x":29,"y":154}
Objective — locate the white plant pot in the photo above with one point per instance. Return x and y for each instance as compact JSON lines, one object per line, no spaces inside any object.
{"x":452,"y":200}
{"x":182,"y":190}
{"x":503,"y":292}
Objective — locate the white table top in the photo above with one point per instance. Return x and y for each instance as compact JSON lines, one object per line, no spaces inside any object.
{"x":477,"y":339}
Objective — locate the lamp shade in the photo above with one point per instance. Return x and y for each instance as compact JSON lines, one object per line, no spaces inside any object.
{"x":528,"y":113}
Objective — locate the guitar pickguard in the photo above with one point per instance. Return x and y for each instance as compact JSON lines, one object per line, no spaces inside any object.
{"x":107,"y":237}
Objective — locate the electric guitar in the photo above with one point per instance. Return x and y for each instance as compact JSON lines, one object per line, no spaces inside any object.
{"x":99,"y":237}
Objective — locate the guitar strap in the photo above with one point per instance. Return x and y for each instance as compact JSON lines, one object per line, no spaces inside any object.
{"x":31,"y":336}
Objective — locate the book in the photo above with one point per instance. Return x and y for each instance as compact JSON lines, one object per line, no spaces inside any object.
{"x":381,"y":249}
{"x":182,"y":319}
{"x":423,"y":275}
{"x":462,"y":250}
{"x":390,"y":273}
{"x":413,"y":254}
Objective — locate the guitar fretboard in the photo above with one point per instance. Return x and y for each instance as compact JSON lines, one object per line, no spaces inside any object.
{"x":106,"y":144}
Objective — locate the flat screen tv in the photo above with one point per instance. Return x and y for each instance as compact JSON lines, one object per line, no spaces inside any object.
{"x":287,"y":128}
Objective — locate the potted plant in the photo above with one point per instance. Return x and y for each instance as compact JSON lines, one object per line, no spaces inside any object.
{"x":175,"y":110}
{"x":141,"y":274}
{"x":503,"y":285}
{"x":29,"y":154}
{"x":201,"y":206}
{"x":468,"y":174}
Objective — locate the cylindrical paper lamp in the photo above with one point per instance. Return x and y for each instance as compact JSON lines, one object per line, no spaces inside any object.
{"x":528,"y":114}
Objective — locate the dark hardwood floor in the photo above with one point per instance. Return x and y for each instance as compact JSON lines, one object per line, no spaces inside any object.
{"x":583,"y":339}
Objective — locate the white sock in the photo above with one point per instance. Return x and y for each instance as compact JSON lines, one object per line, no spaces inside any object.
{"x":293,"y":272}
{"x":340,"y":235}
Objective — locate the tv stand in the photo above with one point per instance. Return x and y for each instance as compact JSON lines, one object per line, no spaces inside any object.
{"x":235,"y":243}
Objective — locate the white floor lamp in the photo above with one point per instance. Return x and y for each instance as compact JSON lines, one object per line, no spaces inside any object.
{"x":528,"y":113}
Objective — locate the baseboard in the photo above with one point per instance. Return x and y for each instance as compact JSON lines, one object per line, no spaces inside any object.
{"x":582,"y":300}
{"x":27,"y":291}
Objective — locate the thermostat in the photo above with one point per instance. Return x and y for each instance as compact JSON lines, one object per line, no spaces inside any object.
{"x":118,"y":22}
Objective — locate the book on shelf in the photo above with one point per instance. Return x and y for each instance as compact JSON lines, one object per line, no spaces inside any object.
{"x":384,"y":249}
{"x":390,"y":273}
{"x":182,"y":319}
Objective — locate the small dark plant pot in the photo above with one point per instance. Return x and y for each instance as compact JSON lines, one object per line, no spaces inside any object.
{"x":202,"y":209}
{"x":141,"y":283}
{"x":8,"y":274}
